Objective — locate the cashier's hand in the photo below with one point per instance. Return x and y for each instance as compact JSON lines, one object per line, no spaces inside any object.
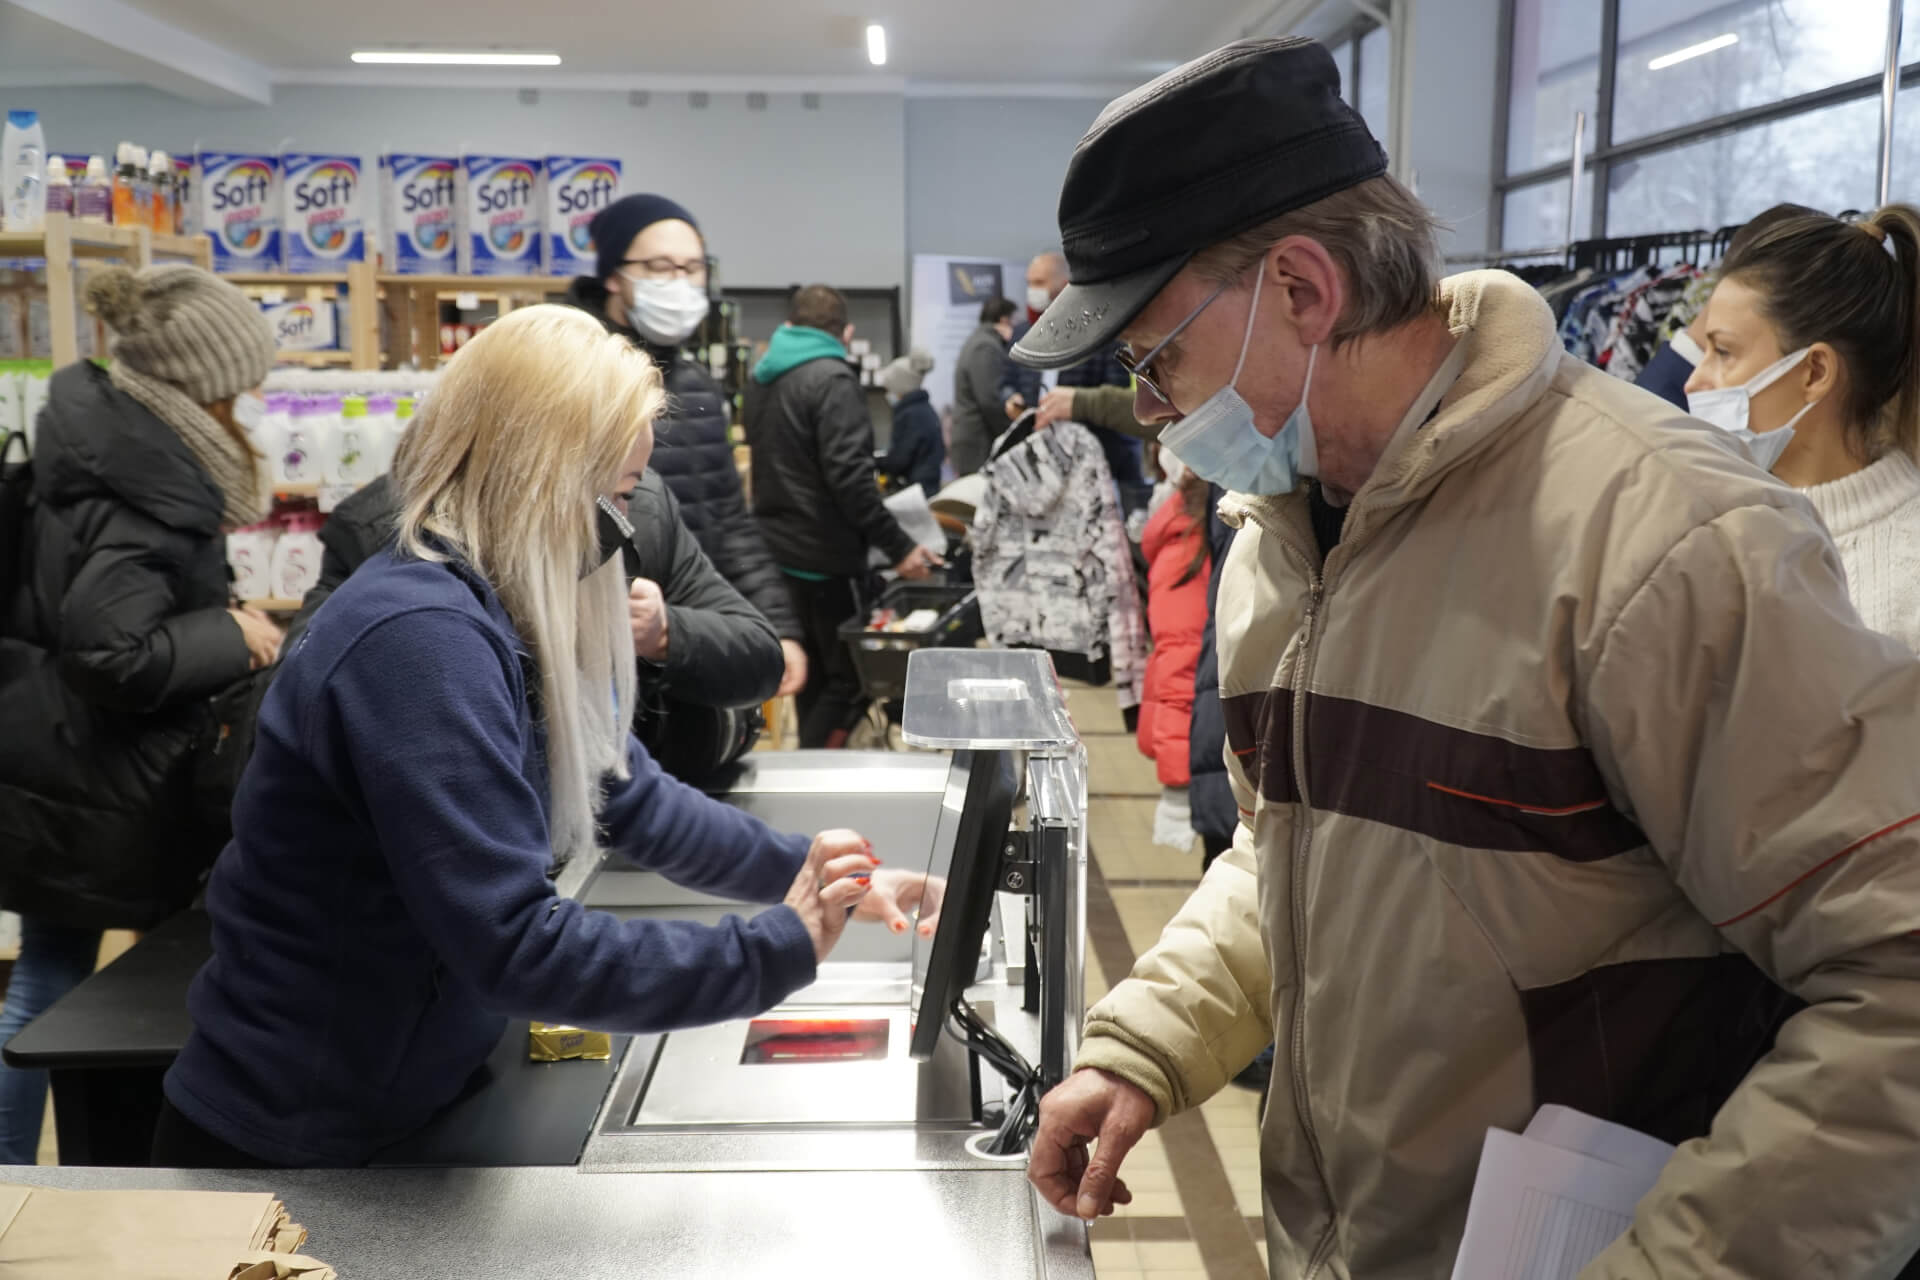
{"x":919,"y":563}
{"x":898,"y":894}
{"x":836,"y":875}
{"x":1089,"y":1104}
{"x":1055,"y":406}
{"x":647,"y":612}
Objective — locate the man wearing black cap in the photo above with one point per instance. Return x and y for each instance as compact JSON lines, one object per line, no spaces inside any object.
{"x":1566,"y":771}
{"x":650,"y":286}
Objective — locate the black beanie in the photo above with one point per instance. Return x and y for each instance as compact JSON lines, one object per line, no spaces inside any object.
{"x":615,"y":226}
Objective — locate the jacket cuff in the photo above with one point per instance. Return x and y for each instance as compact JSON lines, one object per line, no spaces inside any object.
{"x":1105,"y":1053}
{"x":796,"y":966}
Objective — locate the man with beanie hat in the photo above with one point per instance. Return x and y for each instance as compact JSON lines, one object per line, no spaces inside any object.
{"x":1566,"y":772}
{"x":650,"y":286}
{"x":120,"y":631}
{"x":916,"y":450}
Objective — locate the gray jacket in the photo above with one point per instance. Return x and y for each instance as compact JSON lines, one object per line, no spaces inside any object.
{"x":979,"y":414}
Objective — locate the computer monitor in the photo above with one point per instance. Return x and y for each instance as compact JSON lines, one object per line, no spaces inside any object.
{"x":980,"y":835}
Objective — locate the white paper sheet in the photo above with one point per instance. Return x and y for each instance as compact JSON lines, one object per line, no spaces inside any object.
{"x":910,"y":508}
{"x":1542,"y":1211}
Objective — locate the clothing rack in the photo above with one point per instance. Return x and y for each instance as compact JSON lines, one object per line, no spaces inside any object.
{"x":1616,"y":254}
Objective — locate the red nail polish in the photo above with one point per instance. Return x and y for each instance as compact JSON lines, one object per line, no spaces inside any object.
{"x":863,"y":880}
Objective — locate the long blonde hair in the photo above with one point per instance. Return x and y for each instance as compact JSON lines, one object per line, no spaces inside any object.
{"x":526,"y":426}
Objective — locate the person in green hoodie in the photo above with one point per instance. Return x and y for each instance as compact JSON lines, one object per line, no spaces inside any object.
{"x":818,"y":501}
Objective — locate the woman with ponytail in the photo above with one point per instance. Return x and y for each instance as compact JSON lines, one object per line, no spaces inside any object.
{"x":1811,"y":358}
{"x":451,"y":726}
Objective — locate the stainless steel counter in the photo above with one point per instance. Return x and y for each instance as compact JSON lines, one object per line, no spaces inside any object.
{"x":522,"y":1224}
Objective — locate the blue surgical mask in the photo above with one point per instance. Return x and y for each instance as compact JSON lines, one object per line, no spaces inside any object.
{"x":1219,"y":441}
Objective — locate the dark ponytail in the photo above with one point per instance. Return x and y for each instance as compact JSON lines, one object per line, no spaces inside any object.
{"x":1856,"y":287}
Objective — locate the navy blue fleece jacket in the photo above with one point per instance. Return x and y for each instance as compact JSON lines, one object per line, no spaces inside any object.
{"x":385,"y":904}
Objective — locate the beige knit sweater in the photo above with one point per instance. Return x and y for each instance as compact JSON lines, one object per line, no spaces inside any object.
{"x":1874,"y":516}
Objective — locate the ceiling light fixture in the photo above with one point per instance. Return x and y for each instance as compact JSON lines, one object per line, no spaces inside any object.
{"x":412,"y":58}
{"x":876,"y":44}
{"x":1692,"y":51}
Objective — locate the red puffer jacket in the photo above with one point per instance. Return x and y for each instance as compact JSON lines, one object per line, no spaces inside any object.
{"x":1177,"y":617}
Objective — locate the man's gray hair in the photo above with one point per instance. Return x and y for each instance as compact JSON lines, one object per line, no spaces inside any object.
{"x":1380,"y":235}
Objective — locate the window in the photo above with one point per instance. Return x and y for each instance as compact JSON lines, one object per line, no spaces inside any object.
{"x":1556,"y":72}
{"x":1376,"y":74}
{"x":1713,"y":111}
{"x":1827,"y":159}
{"x":1684,"y":61}
{"x":1536,"y":217}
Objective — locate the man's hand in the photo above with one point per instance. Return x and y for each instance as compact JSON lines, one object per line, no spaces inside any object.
{"x":919,"y":563}
{"x":1087,"y":1105}
{"x":794,"y":679}
{"x":647,"y":612}
{"x":1015,"y":406}
{"x":1055,"y":406}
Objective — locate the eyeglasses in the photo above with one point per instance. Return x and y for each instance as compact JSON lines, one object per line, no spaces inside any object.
{"x":667,"y":269}
{"x":1142,"y":368}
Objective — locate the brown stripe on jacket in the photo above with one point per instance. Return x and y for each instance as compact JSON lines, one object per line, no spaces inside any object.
{"x":1464,"y":788}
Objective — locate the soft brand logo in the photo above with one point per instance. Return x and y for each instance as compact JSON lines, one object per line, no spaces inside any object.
{"x":328,"y":186}
{"x":249,"y":182}
{"x":506,"y":188}
{"x":296,"y":323}
{"x":587,"y":189}
{"x":431,"y":187}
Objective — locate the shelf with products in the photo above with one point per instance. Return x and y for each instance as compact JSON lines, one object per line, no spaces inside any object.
{"x":417,"y":307}
{"x":355,"y":293}
{"x":68,"y":246}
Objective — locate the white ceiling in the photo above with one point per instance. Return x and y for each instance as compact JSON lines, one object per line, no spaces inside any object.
{"x":1057,"y":43}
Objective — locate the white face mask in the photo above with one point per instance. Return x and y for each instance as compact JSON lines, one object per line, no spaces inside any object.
{"x":1728,"y":408}
{"x":248,"y":410}
{"x":665,"y":312}
{"x":1219,"y":442}
{"x":1038,"y":298}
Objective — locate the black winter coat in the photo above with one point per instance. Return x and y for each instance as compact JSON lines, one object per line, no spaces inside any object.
{"x":917,"y":449}
{"x":692,"y":452}
{"x":814,"y":486}
{"x":1210,"y":796}
{"x":720,"y":651}
{"x":119,"y":635}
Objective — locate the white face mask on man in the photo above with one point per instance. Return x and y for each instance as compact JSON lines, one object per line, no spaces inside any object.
{"x":665,"y":312}
{"x":1729,"y":408}
{"x":1039,"y":298}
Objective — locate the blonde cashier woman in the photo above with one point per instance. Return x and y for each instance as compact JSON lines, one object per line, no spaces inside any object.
{"x":1813,"y":359}
{"x":453,"y":721}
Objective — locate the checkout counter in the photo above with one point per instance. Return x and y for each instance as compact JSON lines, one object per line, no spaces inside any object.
{"x":873,"y":1124}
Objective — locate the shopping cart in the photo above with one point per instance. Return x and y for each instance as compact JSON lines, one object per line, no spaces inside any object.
{"x":909,"y":616}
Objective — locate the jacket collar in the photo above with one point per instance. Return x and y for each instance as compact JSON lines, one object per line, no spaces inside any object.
{"x":1507,"y":353}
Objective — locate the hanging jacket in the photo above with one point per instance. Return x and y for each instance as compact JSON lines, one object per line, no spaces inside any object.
{"x":113,"y":645}
{"x":693,"y":452}
{"x":1567,"y":758}
{"x":916,"y":452}
{"x":1177,"y":620}
{"x":815,"y":490}
{"x":1051,"y":559}
{"x":721,"y":652}
{"x":1210,"y":792}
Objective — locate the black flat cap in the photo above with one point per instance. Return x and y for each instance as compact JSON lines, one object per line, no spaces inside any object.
{"x":1205,"y":152}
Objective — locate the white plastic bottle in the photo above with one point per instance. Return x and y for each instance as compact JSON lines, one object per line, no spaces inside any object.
{"x":93,"y":198}
{"x":301,"y":459}
{"x":59,"y":186}
{"x":383,"y":428}
{"x":355,"y":458}
{"x":23,"y":172}
{"x":296,"y":556}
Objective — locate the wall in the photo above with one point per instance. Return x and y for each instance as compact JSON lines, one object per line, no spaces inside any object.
{"x":783,"y":194}
{"x":1456,"y":63}
{"x":983,"y":174}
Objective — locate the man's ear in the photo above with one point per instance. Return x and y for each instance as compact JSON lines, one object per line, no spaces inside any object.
{"x":1310,"y":283}
{"x":846,"y":336}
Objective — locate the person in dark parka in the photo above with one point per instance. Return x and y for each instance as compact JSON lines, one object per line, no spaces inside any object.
{"x":120,"y":632}
{"x":650,"y":287}
{"x":917,"y":451}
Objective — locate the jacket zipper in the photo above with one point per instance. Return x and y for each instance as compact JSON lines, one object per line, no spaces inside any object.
{"x":1297,"y":905}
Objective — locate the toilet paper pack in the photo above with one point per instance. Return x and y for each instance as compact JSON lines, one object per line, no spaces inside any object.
{"x":578,"y":187}
{"x":325,"y":223}
{"x":501,"y":203}
{"x":306,"y":325}
{"x":421,"y":214}
{"x":239,"y":209}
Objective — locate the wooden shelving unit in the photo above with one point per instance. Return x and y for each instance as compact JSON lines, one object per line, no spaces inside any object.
{"x":412,"y":308}
{"x":67,"y":242}
{"x":356,"y":289}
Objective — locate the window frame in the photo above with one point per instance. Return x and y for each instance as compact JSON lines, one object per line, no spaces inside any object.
{"x":1597,"y":171}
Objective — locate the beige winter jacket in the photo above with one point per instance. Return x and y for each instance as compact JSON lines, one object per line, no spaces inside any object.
{"x":1592,"y":746}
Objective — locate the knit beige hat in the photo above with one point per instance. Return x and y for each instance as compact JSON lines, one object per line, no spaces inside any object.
{"x":907,"y":373}
{"x":185,"y":326}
